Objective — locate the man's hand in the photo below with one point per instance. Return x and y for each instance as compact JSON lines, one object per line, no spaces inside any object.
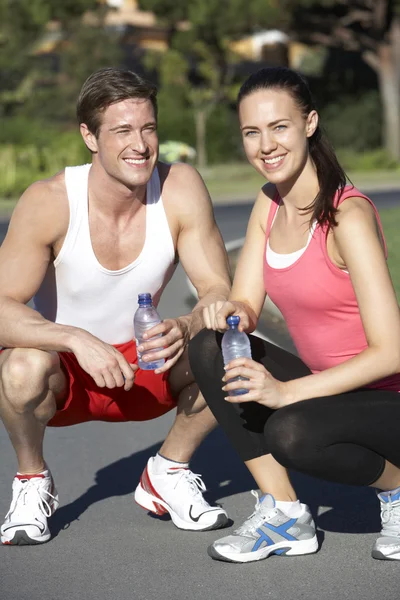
{"x":215,"y":315}
{"x":108,"y":367}
{"x":175,"y":336}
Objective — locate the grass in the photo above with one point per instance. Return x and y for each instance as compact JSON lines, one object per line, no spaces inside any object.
{"x":240,"y":180}
{"x":391,"y":226}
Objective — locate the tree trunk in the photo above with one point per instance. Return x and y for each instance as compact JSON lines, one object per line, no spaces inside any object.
{"x":389,"y":84}
{"x":200,"y":116}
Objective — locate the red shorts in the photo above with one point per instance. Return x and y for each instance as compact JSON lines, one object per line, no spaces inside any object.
{"x":150,"y":396}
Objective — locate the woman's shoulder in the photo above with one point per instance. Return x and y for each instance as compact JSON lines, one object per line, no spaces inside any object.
{"x":350,"y":192}
{"x":269,"y":192}
{"x":265,"y":199}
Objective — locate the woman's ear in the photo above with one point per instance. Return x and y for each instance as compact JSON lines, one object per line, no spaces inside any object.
{"x":312,"y":123}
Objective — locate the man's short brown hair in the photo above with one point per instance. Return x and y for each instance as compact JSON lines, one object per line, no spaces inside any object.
{"x":108,"y":86}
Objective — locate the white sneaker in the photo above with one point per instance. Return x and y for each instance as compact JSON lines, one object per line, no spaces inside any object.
{"x":34,"y":499}
{"x":178,"y":491}
{"x":387,"y":546}
{"x":267,"y":531}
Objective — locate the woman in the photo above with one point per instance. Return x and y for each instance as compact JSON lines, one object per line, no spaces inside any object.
{"x":316,"y":247}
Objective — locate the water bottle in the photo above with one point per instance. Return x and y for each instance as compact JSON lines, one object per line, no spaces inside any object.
{"x":146,"y":317}
{"x":235,"y":344}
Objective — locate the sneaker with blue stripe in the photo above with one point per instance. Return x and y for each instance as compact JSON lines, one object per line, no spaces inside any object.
{"x":387,"y":547}
{"x":267,"y":531}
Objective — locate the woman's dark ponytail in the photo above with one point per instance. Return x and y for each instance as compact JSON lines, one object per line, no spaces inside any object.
{"x":331,"y":176}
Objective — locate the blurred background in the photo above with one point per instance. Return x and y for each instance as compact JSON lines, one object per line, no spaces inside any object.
{"x":198,"y":53}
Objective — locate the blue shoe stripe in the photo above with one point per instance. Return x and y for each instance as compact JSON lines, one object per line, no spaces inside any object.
{"x":263,"y":538}
{"x":281,"y":530}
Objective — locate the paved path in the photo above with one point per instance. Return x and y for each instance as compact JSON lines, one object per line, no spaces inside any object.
{"x":107,"y":548}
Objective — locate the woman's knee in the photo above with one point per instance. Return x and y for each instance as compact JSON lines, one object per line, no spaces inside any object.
{"x":25,"y":375}
{"x":203,"y":348}
{"x":289,"y":436}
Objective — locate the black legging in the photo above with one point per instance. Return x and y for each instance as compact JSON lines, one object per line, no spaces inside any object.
{"x":344,"y":438}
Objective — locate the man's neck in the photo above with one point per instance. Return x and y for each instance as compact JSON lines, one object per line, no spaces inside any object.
{"x":111,"y":196}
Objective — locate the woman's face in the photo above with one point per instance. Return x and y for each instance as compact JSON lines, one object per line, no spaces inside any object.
{"x":275,"y":134}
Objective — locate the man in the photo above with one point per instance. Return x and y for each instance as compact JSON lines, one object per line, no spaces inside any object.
{"x":84,"y":244}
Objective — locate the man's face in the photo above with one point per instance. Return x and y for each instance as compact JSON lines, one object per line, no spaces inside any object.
{"x":127,"y":144}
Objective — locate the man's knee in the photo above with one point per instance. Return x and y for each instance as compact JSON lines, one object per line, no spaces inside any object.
{"x":25,"y":375}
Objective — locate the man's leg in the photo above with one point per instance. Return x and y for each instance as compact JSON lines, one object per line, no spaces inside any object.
{"x":194,"y":420}
{"x":31,"y":384}
{"x":167,"y":483}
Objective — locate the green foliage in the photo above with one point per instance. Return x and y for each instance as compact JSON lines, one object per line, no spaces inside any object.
{"x":87,"y":49}
{"x":367,"y":161}
{"x":21,"y":165}
{"x":354,"y":123}
{"x":224,"y":142}
{"x":29,"y":84}
{"x":22,"y":131}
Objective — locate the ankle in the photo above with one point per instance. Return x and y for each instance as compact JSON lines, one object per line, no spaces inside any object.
{"x":162,"y":463}
{"x":31,"y":468}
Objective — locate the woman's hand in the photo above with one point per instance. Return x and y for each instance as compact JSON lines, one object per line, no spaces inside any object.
{"x":261,"y":385}
{"x":215,"y":315}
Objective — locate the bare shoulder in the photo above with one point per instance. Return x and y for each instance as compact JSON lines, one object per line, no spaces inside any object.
{"x":44,"y":208}
{"x":183,"y":189}
{"x":353,"y":213}
{"x":263,"y":204}
{"x":268,"y":190}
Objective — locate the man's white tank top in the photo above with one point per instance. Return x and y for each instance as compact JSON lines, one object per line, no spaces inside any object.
{"x":77,"y":290}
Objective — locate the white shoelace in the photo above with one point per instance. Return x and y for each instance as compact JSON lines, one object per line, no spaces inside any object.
{"x":390,"y":515}
{"x":31,"y":491}
{"x":256,"y":518}
{"x":195,"y":484}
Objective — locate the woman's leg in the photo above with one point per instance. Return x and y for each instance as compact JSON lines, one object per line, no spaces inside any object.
{"x":279,"y":524}
{"x":244,"y":423}
{"x":349,"y":438}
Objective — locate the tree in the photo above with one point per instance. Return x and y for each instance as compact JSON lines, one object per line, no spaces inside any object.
{"x":30,"y":83}
{"x":371,"y":27}
{"x":201,"y":33}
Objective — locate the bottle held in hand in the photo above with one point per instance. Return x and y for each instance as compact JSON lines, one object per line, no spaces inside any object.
{"x":146,"y":317}
{"x":235,"y":344}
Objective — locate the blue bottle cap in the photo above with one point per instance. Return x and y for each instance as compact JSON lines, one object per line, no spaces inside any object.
{"x":233,"y":321}
{"x":144,"y":299}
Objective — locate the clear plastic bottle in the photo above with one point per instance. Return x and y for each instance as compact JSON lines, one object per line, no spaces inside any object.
{"x":146,"y":317}
{"x":235,"y":344}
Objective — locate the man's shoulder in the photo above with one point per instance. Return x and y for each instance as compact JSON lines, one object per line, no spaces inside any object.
{"x":53,"y":187}
{"x":45,"y":201}
{"x":183,"y":187}
{"x":178,"y":174}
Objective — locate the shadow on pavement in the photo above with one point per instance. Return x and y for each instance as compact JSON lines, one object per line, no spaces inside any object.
{"x":345,"y":509}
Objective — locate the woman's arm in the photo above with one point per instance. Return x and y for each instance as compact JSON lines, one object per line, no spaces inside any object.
{"x":248,"y":294}
{"x":358,"y":243}
{"x":359,"y":248}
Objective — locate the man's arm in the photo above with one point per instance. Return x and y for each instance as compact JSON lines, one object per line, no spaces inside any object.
{"x":39,"y":221}
{"x":203,"y":256}
{"x":200,"y":245}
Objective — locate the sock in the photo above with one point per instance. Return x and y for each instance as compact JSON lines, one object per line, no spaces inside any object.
{"x":390,"y":493}
{"x":44,"y":472}
{"x":290,"y":509}
{"x":162,"y":464}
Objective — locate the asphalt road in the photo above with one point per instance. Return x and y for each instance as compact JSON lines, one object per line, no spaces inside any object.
{"x":106,"y":547}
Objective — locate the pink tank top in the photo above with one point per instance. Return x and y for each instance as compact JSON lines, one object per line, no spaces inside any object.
{"x":318,"y":302}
